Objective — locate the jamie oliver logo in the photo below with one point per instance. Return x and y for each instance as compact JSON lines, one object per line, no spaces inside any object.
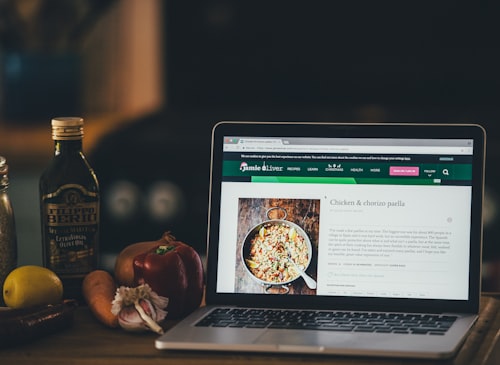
{"x":265,"y":167}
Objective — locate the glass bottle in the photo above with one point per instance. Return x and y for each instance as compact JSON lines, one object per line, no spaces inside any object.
{"x":69,"y":204}
{"x":8,"y":236}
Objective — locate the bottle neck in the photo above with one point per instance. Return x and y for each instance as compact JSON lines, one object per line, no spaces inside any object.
{"x":67,"y":146}
{"x":4,"y":183}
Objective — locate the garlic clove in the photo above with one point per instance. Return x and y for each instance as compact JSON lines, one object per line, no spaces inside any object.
{"x":130,"y":319}
{"x":148,"y":308}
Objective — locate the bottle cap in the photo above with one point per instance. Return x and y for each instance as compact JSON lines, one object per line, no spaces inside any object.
{"x":67,"y":128}
{"x":3,"y":165}
{"x":4,"y":170}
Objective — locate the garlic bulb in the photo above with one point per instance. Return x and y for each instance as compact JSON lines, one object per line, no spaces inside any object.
{"x":139,"y":308}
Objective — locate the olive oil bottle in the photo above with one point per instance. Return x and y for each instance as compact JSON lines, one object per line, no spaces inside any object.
{"x":69,"y":205}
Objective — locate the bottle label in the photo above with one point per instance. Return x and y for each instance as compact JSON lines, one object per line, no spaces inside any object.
{"x":71,"y":227}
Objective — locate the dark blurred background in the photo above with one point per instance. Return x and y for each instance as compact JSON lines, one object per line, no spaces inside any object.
{"x":152,"y":77}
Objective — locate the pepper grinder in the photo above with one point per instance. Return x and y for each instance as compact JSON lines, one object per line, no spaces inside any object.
{"x":8,"y":236}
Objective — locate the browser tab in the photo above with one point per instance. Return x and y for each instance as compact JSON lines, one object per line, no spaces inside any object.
{"x":260,"y":141}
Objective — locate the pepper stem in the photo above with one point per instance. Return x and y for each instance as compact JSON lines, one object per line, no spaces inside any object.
{"x":149,"y":321}
{"x":163,"y":249}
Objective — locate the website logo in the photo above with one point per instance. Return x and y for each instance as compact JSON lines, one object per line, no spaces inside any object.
{"x":244,"y":167}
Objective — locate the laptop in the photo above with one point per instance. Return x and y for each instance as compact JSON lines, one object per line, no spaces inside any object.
{"x":341,"y":239}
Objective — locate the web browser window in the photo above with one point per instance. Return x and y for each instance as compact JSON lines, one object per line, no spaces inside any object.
{"x":368,"y":217}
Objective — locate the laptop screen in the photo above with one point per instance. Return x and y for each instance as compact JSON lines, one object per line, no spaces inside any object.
{"x":353,"y":216}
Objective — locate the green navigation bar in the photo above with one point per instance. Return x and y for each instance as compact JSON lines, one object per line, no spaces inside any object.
{"x":348,"y":172}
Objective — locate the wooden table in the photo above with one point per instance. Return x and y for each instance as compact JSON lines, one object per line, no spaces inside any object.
{"x":88,"y":342}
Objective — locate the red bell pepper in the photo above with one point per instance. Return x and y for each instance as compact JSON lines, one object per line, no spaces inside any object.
{"x":173,"y":270}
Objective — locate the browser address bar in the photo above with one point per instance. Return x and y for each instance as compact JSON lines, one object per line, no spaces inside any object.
{"x":278,"y":147}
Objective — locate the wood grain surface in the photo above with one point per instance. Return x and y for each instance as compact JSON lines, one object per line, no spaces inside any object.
{"x":89,"y":342}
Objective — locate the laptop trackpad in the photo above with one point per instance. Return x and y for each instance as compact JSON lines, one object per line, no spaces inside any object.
{"x":317,"y":339}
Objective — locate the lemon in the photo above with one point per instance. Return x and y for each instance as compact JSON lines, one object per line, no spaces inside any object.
{"x":252,"y":264}
{"x":262,"y":232}
{"x":32,"y":285}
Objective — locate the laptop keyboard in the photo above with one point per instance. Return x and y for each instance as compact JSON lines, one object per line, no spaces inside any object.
{"x":421,"y":324}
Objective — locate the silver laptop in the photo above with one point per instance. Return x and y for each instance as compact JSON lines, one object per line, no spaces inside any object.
{"x":347,"y":239}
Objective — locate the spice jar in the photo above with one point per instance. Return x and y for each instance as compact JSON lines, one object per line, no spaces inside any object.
{"x":8,"y":237}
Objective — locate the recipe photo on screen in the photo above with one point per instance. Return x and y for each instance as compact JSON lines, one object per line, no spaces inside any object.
{"x":277,"y":245}
{"x":301,"y":217}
